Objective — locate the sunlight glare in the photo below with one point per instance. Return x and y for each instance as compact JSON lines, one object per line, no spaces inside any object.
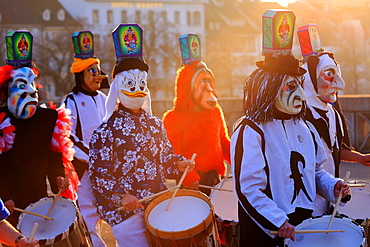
{"x":282,"y":3}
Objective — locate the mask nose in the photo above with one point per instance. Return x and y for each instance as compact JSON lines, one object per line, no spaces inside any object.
{"x":300,"y":92}
{"x":339,"y":82}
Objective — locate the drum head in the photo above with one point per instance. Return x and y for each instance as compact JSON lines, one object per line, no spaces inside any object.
{"x":357,"y":207}
{"x":64,"y":214}
{"x":184,"y":213}
{"x":225,"y":203}
{"x":353,"y":235}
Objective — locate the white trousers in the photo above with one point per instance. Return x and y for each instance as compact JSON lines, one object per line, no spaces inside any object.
{"x":131,"y":232}
{"x":86,"y":203}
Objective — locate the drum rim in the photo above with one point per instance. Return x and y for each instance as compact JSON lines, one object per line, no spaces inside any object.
{"x":336,"y":218}
{"x":183,"y":234}
{"x":215,"y":191}
{"x":59,"y":237}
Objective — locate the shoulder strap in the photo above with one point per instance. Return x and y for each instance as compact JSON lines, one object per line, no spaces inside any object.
{"x":254,"y":126}
{"x":78,"y":126}
{"x":250,"y":123}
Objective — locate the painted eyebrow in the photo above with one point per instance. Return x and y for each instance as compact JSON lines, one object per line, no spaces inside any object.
{"x":21,"y":80}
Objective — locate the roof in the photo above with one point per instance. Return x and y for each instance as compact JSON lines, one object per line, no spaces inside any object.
{"x":30,"y":13}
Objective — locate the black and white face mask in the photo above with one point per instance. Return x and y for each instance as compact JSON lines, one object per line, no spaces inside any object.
{"x":291,"y":96}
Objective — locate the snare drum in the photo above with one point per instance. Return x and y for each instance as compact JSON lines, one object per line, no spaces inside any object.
{"x":67,"y":228}
{"x":189,"y":221}
{"x":353,"y":235}
{"x":226,"y":210}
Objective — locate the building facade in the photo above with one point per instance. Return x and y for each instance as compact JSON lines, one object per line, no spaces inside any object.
{"x":163,"y":23}
{"x":49,"y":24}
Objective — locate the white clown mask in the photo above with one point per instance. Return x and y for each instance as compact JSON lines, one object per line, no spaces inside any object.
{"x":291,"y":96}
{"x":22,"y":100}
{"x":329,"y":80}
{"x":132,"y":87}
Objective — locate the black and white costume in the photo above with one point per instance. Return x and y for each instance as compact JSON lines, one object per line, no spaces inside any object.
{"x":329,"y":125}
{"x":276,"y":169}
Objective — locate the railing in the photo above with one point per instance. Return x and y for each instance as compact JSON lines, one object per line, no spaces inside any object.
{"x":356,"y":108}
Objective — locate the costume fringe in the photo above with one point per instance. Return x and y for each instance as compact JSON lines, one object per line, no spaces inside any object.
{"x":61,"y":143}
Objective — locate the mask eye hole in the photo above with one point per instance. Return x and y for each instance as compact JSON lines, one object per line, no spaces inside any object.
{"x":328,"y":74}
{"x":22,"y":86}
{"x":292,"y":85}
{"x":142,"y":84}
{"x":130,"y":84}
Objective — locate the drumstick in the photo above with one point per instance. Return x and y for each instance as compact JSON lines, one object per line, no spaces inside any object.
{"x":180,"y":182}
{"x":60,"y":191}
{"x":152,"y":196}
{"x":338,"y":200}
{"x":213,"y":188}
{"x":34,"y":229}
{"x":310,"y":231}
{"x":32,"y":213}
{"x":357,"y":185}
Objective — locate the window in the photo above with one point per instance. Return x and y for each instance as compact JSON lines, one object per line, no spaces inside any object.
{"x":188,"y":17}
{"x":151,"y":16}
{"x":124,"y":16}
{"x":164,"y":16}
{"x":197,"y":18}
{"x":110,"y":16}
{"x":177,"y":17}
{"x":137,"y":16}
{"x":46,"y":15}
{"x":95,"y":16}
{"x":61,"y":15}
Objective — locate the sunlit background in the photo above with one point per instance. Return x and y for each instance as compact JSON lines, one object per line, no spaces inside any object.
{"x":230,"y":31}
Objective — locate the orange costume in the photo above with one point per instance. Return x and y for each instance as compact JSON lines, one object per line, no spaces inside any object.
{"x":192,"y":128}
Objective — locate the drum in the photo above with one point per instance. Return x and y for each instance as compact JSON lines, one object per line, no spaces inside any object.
{"x":353,"y":235}
{"x":67,"y":228}
{"x":189,"y":221}
{"x":225,"y":204}
{"x":358,"y":207}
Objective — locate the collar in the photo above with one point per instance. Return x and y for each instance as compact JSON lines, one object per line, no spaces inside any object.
{"x":281,"y":115}
{"x":123,"y":108}
{"x":88,"y":92}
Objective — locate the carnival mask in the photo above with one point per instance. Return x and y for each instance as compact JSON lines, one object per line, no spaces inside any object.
{"x":92,"y":78}
{"x":203,"y":86}
{"x":22,"y":100}
{"x":291,"y":96}
{"x":132,"y":86}
{"x":329,"y":80}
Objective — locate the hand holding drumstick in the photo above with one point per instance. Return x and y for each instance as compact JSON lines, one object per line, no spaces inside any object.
{"x":130,"y":202}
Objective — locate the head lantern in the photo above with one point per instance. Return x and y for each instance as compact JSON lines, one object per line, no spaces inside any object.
{"x":86,"y":66}
{"x":130,"y":71}
{"x":323,"y":79}
{"x":276,"y":85}
{"x":18,"y":78}
{"x":202,"y":82}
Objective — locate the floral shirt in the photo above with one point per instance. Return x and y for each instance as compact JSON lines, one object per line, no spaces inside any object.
{"x":130,"y":153}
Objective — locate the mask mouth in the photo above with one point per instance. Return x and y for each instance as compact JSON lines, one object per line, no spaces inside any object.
{"x":31,"y":103}
{"x":136,"y":94}
{"x":297,"y":99}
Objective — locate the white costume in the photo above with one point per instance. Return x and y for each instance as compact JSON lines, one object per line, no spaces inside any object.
{"x":276,"y":181}
{"x":88,"y":110}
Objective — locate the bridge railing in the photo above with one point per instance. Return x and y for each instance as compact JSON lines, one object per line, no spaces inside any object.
{"x":356,"y":108}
